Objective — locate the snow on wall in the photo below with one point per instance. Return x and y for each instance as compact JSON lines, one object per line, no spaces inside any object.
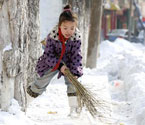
{"x":8,"y":47}
{"x":49,"y":15}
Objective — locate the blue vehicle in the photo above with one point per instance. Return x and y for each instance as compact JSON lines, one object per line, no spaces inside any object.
{"x":117,"y":33}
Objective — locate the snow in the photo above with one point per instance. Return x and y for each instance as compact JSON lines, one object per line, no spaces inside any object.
{"x":49,"y":14}
{"x":8,"y":47}
{"x":118,"y":81}
{"x":14,"y":116}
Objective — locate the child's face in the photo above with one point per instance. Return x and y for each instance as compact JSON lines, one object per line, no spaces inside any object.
{"x":68,"y":28}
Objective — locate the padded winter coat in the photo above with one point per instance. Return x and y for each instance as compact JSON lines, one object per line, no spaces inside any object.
{"x":72,"y":56}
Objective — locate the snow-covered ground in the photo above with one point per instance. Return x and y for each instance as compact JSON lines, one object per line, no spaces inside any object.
{"x":119,"y":79}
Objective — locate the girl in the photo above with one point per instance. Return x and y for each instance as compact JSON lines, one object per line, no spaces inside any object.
{"x":63,"y":45}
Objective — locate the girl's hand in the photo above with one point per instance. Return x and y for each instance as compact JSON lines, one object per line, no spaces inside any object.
{"x":76,"y":77}
{"x":63,"y":68}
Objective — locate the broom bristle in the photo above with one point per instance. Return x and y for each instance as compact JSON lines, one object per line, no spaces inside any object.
{"x":85,"y":95}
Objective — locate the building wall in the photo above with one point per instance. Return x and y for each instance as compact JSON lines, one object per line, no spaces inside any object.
{"x":142,"y":4}
{"x":49,"y":14}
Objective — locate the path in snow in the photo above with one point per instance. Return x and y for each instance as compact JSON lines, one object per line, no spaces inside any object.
{"x":122,"y":109}
{"x":55,"y":100}
{"x":115,"y":110}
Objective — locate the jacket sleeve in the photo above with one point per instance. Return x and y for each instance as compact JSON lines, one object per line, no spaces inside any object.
{"x":76,"y":59}
{"x":49,"y":53}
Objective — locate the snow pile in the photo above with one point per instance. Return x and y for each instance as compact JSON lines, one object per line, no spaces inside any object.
{"x":14,"y":116}
{"x":133,"y":75}
{"x":125,"y":61}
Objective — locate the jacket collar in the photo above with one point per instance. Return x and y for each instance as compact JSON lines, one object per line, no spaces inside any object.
{"x":54,"y":34}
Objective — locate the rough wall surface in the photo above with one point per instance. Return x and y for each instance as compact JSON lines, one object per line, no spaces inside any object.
{"x":19,"y":48}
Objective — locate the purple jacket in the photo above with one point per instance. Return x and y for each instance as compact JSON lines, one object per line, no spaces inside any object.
{"x":72,"y":57}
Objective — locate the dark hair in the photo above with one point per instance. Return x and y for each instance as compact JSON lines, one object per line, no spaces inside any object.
{"x":67,"y":15}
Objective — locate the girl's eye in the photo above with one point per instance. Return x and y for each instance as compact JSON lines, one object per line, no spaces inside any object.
{"x":65,"y":28}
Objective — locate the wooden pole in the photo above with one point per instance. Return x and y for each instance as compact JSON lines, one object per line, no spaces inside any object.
{"x":130,"y":20}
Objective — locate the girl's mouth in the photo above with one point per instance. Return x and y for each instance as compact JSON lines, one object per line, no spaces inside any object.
{"x":67,"y":35}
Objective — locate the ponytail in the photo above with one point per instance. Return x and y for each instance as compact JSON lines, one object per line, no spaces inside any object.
{"x":67,"y":15}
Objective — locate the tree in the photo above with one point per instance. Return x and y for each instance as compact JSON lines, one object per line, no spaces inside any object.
{"x":82,"y":8}
{"x":19,"y":48}
{"x":94,"y":33}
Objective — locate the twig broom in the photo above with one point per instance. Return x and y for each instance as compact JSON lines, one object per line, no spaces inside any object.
{"x":85,"y":95}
